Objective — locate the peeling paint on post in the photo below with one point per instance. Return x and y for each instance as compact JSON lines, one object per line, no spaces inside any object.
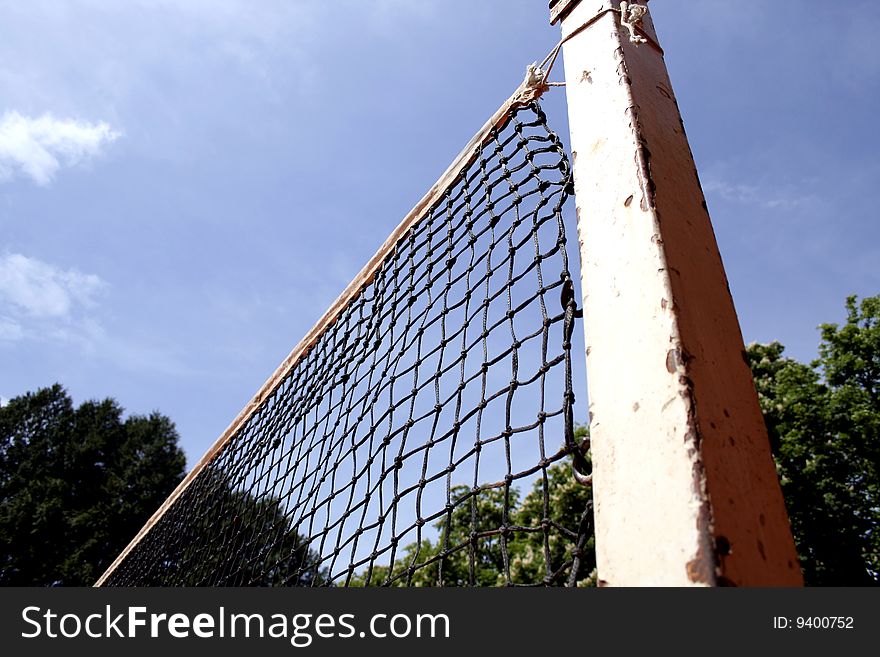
{"x":685,"y":486}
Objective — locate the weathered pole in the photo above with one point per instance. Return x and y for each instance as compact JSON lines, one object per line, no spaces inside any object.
{"x":685,"y":487}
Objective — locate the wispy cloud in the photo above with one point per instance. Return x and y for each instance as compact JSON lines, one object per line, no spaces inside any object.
{"x":38,"y":147}
{"x":10,"y":330}
{"x":780,"y":198}
{"x":42,"y":290}
{"x":39,"y":300}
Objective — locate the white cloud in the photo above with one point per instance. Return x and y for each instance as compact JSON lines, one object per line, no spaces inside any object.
{"x":778,"y":198}
{"x":38,"y":147}
{"x":39,"y":300}
{"x":42,"y":290}
{"x":729,"y":191}
{"x":45,"y":303}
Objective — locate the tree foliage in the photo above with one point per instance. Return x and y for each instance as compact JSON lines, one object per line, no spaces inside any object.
{"x":76,"y":484}
{"x":824,"y":426}
{"x":237,"y":540}
{"x":539,"y":541}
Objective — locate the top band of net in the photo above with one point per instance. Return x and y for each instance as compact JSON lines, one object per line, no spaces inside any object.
{"x":411,"y":438}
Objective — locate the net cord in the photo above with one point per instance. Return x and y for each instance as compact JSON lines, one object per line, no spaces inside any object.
{"x":531,"y":88}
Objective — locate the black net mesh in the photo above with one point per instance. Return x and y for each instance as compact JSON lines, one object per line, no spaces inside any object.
{"x":427,"y":437}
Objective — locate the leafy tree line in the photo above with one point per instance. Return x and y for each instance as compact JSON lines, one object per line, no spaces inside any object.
{"x":824,"y":426}
{"x":237,"y":539}
{"x":77,"y":483}
{"x":537,"y":552}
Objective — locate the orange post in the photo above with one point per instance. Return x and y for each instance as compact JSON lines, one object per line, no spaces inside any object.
{"x":685,"y":487}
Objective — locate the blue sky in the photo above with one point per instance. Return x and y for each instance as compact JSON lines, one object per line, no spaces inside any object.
{"x":186,"y":185}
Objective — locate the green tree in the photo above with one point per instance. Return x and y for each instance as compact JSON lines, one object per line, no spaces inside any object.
{"x":824,"y":427}
{"x":540,"y":543}
{"x":549,"y":555}
{"x":76,"y":484}
{"x":236,"y":539}
{"x":454,"y":558}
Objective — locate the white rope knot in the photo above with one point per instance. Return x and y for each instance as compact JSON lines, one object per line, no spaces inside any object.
{"x":533,"y":85}
{"x":535,"y":76}
{"x":631,"y":17}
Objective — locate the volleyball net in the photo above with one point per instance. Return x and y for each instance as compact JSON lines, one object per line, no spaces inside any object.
{"x":422,"y":432}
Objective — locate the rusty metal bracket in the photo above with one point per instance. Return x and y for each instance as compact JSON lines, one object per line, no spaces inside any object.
{"x":558,"y":8}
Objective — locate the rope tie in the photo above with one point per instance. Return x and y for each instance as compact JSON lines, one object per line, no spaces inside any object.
{"x":631,"y":16}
